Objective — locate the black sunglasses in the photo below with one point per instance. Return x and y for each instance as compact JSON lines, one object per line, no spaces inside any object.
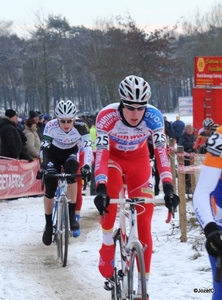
{"x":132,"y":107}
{"x":66,"y":121}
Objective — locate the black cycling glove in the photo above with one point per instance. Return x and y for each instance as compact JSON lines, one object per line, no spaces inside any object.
{"x":102,"y":200}
{"x":171,"y":199}
{"x":214,"y":239}
{"x":85,"y":170}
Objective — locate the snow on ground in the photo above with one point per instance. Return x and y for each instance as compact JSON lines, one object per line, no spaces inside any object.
{"x":30,"y":270}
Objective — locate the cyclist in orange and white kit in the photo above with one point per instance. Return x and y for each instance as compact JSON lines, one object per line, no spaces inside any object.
{"x":207,"y":202}
{"x":122,"y":152}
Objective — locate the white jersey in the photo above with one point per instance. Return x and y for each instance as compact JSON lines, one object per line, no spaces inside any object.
{"x":61,"y":139}
{"x":78,"y":136}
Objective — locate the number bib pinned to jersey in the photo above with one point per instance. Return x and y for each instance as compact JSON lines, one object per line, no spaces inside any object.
{"x":214,"y":144}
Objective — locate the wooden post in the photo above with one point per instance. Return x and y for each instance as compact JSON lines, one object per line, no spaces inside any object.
{"x":172,"y":163}
{"x":181,"y":192}
{"x":192,"y":176}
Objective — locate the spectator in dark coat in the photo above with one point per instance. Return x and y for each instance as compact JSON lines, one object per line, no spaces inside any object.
{"x":11,"y":140}
{"x":177,"y":128}
{"x":167,"y":126}
{"x":187,"y":140}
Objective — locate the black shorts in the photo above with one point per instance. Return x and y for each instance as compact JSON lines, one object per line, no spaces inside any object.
{"x":56,"y":159}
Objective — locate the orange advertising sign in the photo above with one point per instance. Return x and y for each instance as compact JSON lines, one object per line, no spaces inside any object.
{"x":208,"y":70}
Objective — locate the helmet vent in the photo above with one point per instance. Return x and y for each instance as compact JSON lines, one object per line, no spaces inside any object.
{"x":137,"y":93}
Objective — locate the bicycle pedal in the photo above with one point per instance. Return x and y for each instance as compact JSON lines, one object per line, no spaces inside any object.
{"x":107,"y":286}
{"x":120,"y":273}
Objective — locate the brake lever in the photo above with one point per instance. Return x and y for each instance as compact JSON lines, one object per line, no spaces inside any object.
{"x":104,"y":205}
{"x":218,"y":275}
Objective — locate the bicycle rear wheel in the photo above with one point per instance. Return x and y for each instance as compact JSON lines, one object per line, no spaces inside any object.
{"x":63,"y":232}
{"x":136,"y":260}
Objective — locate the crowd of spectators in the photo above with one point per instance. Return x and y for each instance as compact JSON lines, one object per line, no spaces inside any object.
{"x":22,"y":139}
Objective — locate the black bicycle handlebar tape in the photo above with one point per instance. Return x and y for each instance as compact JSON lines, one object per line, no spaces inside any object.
{"x":62,"y":175}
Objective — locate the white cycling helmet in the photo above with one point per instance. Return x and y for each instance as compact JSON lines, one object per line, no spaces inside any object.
{"x":65,"y":109}
{"x":208,"y":122}
{"x":134,"y":90}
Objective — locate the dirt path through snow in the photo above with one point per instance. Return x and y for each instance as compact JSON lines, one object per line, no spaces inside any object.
{"x":30,"y":270}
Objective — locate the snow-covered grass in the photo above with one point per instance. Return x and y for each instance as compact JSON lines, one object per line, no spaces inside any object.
{"x":30,"y":270}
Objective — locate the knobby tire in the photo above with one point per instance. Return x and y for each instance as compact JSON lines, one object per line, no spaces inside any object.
{"x":55,"y":227}
{"x":116,"y":293}
{"x":136,"y":258}
{"x":64,"y":232}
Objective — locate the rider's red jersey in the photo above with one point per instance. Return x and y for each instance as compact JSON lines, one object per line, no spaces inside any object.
{"x":115,"y":138}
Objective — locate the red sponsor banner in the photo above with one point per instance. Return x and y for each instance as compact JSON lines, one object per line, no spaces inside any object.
{"x":208,"y":70}
{"x":18,"y":178}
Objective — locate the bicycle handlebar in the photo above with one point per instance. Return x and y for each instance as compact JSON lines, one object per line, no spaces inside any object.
{"x":62,"y":175}
{"x":136,"y":201}
{"x":57,"y":175}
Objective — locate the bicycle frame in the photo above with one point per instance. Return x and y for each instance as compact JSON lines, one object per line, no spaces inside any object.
{"x":130,"y":251}
{"x":127,"y":242}
{"x":60,"y":218}
{"x":60,"y":191}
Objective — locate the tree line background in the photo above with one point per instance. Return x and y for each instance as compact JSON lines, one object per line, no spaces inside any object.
{"x":58,"y":61}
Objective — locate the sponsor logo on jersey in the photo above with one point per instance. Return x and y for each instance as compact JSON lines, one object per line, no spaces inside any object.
{"x":128,"y":139}
{"x":153,"y":119}
{"x":163,"y":157}
{"x":126,"y":148}
{"x":199,"y":217}
{"x":107,"y":120}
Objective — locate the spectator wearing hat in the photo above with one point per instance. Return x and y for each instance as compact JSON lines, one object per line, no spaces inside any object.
{"x":33,"y":115}
{"x":10,"y":137}
{"x":38,"y":117}
{"x":47,"y":118}
{"x":177,"y":128}
{"x":33,"y":140}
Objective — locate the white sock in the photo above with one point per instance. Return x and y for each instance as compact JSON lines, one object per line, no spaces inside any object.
{"x":139,"y":283}
{"x":108,"y":238}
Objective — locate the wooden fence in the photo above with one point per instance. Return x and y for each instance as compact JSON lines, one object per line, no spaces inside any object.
{"x":179,"y":170}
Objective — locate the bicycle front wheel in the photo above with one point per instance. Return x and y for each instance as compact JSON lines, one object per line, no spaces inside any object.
{"x":136,"y":261}
{"x":116,"y":293}
{"x":63,"y":239}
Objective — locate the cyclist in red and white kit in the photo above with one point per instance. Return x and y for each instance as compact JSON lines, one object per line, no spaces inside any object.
{"x":122,"y":156}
